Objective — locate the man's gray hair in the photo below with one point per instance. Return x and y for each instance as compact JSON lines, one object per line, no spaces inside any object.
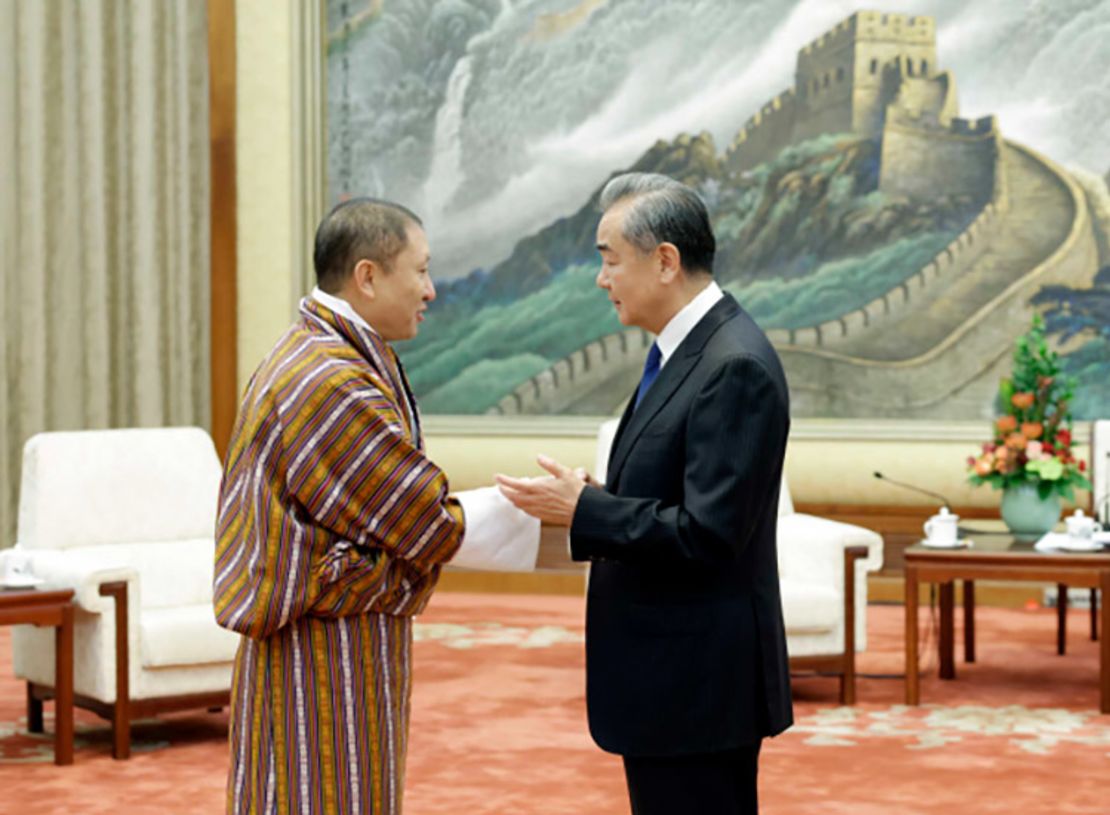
{"x":662,"y":210}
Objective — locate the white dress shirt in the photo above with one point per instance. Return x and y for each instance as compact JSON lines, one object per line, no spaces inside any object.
{"x":683,"y":323}
{"x":340,"y":307}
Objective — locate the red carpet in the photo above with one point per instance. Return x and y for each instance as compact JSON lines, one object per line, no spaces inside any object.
{"x":499,"y":727}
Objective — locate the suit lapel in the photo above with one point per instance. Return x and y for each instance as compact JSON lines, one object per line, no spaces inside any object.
{"x":674,"y":373}
{"x":610,"y":472}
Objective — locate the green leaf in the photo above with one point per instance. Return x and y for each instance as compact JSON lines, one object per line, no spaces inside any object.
{"x":1005,"y":391}
{"x":1046,"y":469}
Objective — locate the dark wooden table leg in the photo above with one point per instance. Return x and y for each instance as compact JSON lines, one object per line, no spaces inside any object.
{"x":1104,"y":646}
{"x":1061,"y":619}
{"x":63,"y":681}
{"x":34,"y":711}
{"x":912,"y":687}
{"x":946,"y":642}
{"x":1094,"y":615}
{"x":969,"y":621}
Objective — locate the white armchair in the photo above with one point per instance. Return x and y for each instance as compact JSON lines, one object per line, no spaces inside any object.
{"x":1100,"y":469}
{"x":823,"y":568}
{"x":126,"y":518}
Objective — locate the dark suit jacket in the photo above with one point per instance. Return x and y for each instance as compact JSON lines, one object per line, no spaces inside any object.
{"x":685,"y":646}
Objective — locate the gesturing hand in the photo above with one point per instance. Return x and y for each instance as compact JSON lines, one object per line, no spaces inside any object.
{"x":550,"y":499}
{"x":582,"y":473}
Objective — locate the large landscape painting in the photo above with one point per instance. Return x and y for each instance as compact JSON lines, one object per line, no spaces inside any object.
{"x":895,"y":189}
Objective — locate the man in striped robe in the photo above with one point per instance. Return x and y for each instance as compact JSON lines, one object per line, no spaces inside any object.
{"x":332,"y":529}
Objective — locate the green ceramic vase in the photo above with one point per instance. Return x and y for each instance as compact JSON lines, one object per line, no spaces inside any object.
{"x":1026,"y":514}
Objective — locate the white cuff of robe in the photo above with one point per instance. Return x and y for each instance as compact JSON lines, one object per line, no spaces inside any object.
{"x":499,"y":537}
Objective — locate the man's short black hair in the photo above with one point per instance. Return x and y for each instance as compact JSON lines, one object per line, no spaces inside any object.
{"x":361,"y":228}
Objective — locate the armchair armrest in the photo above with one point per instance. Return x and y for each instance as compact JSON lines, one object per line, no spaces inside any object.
{"x":67,"y":569}
{"x":105,"y":589}
{"x":812,"y":548}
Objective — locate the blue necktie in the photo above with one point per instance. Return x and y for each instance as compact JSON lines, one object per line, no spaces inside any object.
{"x":651,"y":371}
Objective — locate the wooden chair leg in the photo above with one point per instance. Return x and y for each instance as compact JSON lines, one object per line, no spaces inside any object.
{"x":121,"y":730}
{"x":1061,"y":619}
{"x":121,"y":710}
{"x":34,"y":711}
{"x":848,"y":666}
{"x":848,"y":681}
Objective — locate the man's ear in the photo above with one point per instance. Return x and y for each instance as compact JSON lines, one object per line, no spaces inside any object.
{"x":364,"y":276}
{"x":670,"y":261}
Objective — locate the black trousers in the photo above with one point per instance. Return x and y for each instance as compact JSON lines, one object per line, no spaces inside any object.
{"x":705,"y":784}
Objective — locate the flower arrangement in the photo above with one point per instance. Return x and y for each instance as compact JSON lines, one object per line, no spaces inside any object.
{"x":1032,"y":441}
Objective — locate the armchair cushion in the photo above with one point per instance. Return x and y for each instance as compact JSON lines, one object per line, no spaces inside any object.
{"x":186,"y":635}
{"x":810,"y":608}
{"x":174,"y":573}
{"x":119,"y":486}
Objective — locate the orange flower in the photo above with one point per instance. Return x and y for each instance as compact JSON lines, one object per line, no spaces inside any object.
{"x":1032,"y":430}
{"x":1006,"y":424}
{"x":1023,"y":401}
{"x":1015,"y":441}
{"x":984,"y":466}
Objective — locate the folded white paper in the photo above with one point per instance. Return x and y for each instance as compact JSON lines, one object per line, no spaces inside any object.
{"x":1050,"y":542}
{"x":1061,"y":541}
{"x":499,"y":537}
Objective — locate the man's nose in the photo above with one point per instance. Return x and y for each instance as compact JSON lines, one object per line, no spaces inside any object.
{"x":602,"y":280}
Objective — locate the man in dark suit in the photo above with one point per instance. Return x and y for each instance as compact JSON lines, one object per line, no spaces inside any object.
{"x":686,"y":659}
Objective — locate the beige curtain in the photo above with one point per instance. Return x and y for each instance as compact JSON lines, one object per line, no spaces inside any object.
{"x":103,"y":220}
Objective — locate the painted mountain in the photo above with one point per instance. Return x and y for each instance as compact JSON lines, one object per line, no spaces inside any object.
{"x":891,"y":234}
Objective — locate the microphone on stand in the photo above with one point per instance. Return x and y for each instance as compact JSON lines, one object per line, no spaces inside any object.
{"x":943,"y":500}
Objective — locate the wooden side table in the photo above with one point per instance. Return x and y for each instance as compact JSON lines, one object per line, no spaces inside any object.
{"x":54,"y":608}
{"x":994,"y":557}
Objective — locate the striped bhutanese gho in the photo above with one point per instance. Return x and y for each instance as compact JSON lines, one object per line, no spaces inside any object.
{"x":332,"y":529}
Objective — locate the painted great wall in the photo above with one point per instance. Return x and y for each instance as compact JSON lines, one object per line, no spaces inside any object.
{"x":935,"y":345}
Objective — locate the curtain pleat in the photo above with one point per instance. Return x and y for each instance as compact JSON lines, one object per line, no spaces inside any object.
{"x":9,"y":194}
{"x":104,"y":219}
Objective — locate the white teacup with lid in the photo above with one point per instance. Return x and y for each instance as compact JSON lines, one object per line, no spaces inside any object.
{"x":940,"y":530}
{"x":1081,"y":526}
{"x":15,"y":567}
